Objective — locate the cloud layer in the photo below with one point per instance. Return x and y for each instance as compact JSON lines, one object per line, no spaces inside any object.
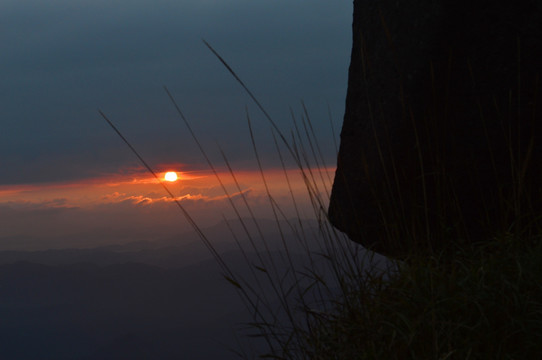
{"x":124,"y":208}
{"x":63,"y":60}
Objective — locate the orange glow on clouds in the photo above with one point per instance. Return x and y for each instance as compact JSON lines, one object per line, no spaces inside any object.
{"x":141,"y":187}
{"x":135,"y":203}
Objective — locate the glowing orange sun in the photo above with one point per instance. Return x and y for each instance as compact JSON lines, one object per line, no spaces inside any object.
{"x":171,"y":176}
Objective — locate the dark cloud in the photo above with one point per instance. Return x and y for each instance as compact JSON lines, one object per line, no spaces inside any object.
{"x":62,"y":60}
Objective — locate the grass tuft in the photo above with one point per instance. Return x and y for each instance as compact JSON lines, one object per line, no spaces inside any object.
{"x":479,"y":306}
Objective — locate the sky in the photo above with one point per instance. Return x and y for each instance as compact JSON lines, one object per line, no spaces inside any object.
{"x":68,"y":180}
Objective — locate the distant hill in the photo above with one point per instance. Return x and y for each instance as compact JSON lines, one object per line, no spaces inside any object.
{"x":172,"y":252}
{"x":124,"y":311}
{"x":144,"y":300}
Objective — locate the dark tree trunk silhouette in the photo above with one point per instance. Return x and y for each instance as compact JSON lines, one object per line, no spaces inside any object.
{"x":441,"y":139}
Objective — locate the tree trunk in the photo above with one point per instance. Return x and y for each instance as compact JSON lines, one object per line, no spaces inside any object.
{"x":441,"y":139}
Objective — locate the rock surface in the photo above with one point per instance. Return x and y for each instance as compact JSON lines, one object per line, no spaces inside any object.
{"x":442,"y":130}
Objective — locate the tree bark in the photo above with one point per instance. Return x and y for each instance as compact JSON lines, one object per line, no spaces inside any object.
{"x":441,"y":138}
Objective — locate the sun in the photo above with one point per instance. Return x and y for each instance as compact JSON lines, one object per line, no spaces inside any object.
{"x":171,"y":176}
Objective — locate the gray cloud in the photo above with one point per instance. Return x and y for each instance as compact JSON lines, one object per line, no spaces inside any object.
{"x":61,"y":60}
